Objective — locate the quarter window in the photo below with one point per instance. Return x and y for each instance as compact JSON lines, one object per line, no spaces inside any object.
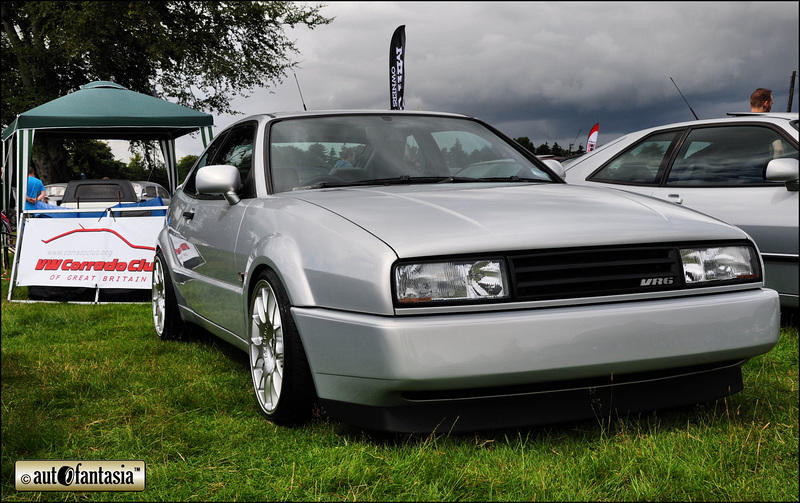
{"x":639,"y":165}
{"x":234,"y":148}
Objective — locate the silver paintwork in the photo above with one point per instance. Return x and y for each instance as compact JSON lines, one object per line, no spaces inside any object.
{"x":333,"y":250}
{"x":768,"y":214}
{"x":370,"y":359}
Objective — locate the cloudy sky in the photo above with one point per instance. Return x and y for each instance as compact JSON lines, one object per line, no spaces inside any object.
{"x":548,"y":71}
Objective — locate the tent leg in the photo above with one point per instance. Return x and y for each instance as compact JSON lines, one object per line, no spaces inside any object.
{"x":96,"y":294}
{"x":21,"y":219}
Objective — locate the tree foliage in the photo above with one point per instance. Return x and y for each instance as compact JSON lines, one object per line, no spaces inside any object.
{"x":93,"y":159}
{"x":184,"y":165}
{"x":526,"y":142}
{"x":200,"y":54}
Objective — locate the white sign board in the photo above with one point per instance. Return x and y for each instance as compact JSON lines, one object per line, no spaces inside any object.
{"x":89,"y":252}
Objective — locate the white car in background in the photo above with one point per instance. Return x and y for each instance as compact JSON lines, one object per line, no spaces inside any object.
{"x":146,"y":191}
{"x":742,"y":169}
{"x":54,"y":192}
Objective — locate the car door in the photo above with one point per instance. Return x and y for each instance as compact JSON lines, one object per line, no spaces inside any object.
{"x":206,"y":234}
{"x":720,"y":171}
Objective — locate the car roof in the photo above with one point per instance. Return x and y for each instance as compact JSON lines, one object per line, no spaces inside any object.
{"x":333,"y":113}
{"x":777,"y":115}
{"x":311,"y":113}
{"x":732,"y":117}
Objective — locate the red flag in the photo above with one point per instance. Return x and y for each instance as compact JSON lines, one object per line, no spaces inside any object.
{"x":397,"y":73}
{"x":592,"y":141}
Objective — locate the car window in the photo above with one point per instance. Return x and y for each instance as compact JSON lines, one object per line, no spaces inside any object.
{"x":729,"y":155}
{"x":344,"y":150}
{"x":234,"y":148}
{"x":189,"y":186}
{"x":99,"y":192}
{"x":639,"y":165}
{"x":238,"y":152}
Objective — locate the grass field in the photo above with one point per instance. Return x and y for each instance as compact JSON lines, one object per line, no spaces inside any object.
{"x":93,"y":382}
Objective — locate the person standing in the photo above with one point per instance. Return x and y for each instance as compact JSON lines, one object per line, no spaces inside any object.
{"x":35,"y":190}
{"x":761,"y":100}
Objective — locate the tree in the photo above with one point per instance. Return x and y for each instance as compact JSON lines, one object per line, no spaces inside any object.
{"x":92,"y":158}
{"x":526,"y":142}
{"x":543,"y":149}
{"x":456,"y":157}
{"x":184,"y":165}
{"x":200,"y":54}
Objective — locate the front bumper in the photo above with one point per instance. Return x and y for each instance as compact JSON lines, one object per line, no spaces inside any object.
{"x":427,"y":362}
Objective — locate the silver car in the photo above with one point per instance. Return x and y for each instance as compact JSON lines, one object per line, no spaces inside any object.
{"x":146,"y":191}
{"x":402,"y":297}
{"x":54,"y":192}
{"x":741,"y":169}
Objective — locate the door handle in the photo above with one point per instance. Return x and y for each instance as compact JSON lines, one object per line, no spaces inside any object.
{"x":188,"y":215}
{"x":675,"y":198}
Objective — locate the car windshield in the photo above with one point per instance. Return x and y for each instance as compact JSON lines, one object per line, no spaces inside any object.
{"x":319,"y":152}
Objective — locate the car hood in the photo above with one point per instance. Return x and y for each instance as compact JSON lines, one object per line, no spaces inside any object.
{"x":420,"y":220}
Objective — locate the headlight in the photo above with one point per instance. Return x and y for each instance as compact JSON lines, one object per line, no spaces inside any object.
{"x":702,"y":265}
{"x":467,"y":280}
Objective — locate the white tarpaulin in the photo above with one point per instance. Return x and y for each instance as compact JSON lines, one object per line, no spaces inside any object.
{"x":89,"y":252}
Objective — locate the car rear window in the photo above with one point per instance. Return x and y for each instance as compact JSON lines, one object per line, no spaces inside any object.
{"x":99,"y":192}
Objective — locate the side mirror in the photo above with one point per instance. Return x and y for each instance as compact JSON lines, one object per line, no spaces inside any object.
{"x":556,"y":166}
{"x":783,"y":170}
{"x":219,"y":179}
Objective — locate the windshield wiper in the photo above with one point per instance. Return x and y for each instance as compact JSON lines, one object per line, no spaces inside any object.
{"x":405,"y":180}
{"x":400,"y":180}
{"x":409,"y":180}
{"x":456,"y":179}
{"x":499,"y":179}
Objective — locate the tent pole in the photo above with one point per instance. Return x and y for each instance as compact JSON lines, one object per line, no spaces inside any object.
{"x":12,"y":281}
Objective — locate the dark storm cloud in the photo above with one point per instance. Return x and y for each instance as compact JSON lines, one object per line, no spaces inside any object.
{"x":547,"y":70}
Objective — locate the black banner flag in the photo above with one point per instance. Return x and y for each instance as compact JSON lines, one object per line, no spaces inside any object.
{"x":397,"y":73}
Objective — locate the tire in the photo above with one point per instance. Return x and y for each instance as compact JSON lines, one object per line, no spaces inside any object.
{"x":281,"y":377}
{"x":166,"y":317}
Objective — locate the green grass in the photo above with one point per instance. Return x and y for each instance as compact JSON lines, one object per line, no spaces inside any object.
{"x":93,"y":382}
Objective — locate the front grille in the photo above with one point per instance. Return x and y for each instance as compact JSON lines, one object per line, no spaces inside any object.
{"x":555,"y":274}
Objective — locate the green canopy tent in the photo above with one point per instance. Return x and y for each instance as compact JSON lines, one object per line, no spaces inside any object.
{"x":99,"y":110}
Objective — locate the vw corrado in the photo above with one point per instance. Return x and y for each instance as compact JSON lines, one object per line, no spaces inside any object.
{"x":361,"y":267}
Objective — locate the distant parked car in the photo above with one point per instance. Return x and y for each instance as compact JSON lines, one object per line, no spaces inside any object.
{"x":504,"y":168}
{"x":404,"y":298}
{"x":99,"y":194}
{"x":150,"y":190}
{"x":54,"y":192}
{"x":741,"y":169}
{"x":93,"y":194}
